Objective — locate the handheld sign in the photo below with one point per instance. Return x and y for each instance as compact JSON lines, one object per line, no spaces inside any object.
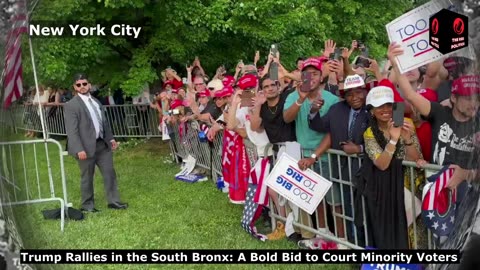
{"x":305,"y":189}
{"x":411,"y":30}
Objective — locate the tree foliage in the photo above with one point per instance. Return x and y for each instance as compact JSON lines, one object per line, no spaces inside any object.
{"x":218,"y":31}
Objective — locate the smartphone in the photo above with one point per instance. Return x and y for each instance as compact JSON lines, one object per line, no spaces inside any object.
{"x":362,"y":62}
{"x":184,"y":80}
{"x":398,"y":113}
{"x":274,"y":49}
{"x":273,"y":71}
{"x":306,"y":82}
{"x":246,"y":98}
{"x":338,"y":54}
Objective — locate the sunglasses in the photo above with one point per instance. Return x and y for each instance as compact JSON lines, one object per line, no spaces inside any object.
{"x":80,"y":84}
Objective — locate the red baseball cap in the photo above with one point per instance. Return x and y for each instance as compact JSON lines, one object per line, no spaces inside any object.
{"x":466,"y":85}
{"x":174,"y":83}
{"x":429,"y":94}
{"x":225,"y":92}
{"x":205,"y":93}
{"x":314,"y":62}
{"x":248,"y":81}
{"x":176,"y":103}
{"x":228,"y":80}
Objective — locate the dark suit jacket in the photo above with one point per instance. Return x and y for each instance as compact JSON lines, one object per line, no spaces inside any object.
{"x":80,"y":129}
{"x":335,"y":122}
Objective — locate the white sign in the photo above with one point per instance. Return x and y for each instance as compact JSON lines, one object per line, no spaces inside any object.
{"x":411,"y":30}
{"x":305,"y":189}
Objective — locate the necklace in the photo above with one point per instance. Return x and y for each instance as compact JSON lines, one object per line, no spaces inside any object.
{"x":275,"y":111}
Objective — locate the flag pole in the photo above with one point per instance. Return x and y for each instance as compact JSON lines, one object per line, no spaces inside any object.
{"x":40,"y":106}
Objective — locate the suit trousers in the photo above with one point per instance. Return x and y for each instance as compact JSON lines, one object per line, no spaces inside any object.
{"x":103,"y":158}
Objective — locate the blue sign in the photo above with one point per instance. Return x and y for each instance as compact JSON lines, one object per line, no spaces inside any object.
{"x":386,"y":266}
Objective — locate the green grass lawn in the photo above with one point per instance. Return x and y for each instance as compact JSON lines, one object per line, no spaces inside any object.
{"x":162,"y":214}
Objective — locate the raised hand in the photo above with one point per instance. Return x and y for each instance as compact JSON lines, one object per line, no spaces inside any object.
{"x":259,"y":99}
{"x":394,"y":50}
{"x":329,"y":47}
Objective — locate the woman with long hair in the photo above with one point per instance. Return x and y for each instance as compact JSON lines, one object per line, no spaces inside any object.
{"x":381,"y":179}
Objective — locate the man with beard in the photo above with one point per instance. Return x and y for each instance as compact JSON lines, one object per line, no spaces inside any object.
{"x":267,"y":114}
{"x":91,"y":142}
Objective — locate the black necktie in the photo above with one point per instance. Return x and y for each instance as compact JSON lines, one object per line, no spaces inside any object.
{"x":352,"y":125}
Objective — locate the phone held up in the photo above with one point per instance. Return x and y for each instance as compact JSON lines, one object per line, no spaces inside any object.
{"x":361,"y":61}
{"x":246,"y":98}
{"x":398,"y":113}
{"x":337,"y":55}
{"x":274,"y":50}
{"x":306,"y":81}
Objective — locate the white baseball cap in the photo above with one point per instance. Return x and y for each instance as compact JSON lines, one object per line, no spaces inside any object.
{"x":215,"y":85}
{"x":353,"y":81}
{"x":380,"y":95}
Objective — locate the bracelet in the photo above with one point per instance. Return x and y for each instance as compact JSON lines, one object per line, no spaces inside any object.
{"x":388,"y":152}
{"x":298,"y":104}
{"x":392,"y":142}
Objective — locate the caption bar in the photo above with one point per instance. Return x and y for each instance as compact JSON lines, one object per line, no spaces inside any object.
{"x":238,"y":256}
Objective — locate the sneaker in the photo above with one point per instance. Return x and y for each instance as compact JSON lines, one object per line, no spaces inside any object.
{"x":314,"y":243}
{"x":317,"y":243}
{"x":278,"y":233}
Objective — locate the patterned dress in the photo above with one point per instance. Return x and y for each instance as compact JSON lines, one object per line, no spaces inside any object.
{"x":373,"y":150}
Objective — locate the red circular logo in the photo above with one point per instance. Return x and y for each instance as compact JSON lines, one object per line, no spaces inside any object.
{"x":458,"y":26}
{"x":435,"y":26}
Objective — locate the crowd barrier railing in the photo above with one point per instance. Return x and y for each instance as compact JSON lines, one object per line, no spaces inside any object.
{"x":126,"y":121}
{"x":21,"y":179}
{"x":342,"y":169}
{"x":143,"y":121}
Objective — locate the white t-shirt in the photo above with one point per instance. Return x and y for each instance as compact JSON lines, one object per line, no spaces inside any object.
{"x":259,"y":139}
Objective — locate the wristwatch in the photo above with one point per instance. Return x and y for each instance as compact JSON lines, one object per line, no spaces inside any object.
{"x":313,"y":156}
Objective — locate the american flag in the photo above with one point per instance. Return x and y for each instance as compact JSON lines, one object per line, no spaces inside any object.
{"x":439,"y":203}
{"x":256,"y":198}
{"x":12,"y":73}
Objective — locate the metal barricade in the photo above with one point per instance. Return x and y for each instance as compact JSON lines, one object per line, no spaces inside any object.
{"x":133,"y":120}
{"x":22,"y":177}
{"x":341,"y":170}
{"x":217,"y":155}
{"x":127,"y":120}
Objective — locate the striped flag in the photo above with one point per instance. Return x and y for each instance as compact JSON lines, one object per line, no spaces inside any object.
{"x":257,"y":177}
{"x":439,"y":203}
{"x":12,"y":80}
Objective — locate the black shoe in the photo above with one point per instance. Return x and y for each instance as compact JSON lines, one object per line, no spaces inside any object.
{"x":93,"y":210}
{"x":118,"y":206}
{"x":295,"y":237}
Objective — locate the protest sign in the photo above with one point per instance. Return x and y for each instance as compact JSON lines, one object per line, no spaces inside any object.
{"x":411,"y":30}
{"x":305,"y":189}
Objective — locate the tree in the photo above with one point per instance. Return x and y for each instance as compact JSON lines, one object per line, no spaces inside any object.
{"x":218,"y":31}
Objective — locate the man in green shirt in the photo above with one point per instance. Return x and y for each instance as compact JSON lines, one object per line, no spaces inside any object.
{"x":298,"y":106}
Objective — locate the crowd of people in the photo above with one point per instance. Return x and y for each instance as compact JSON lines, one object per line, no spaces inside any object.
{"x":333,"y":101}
